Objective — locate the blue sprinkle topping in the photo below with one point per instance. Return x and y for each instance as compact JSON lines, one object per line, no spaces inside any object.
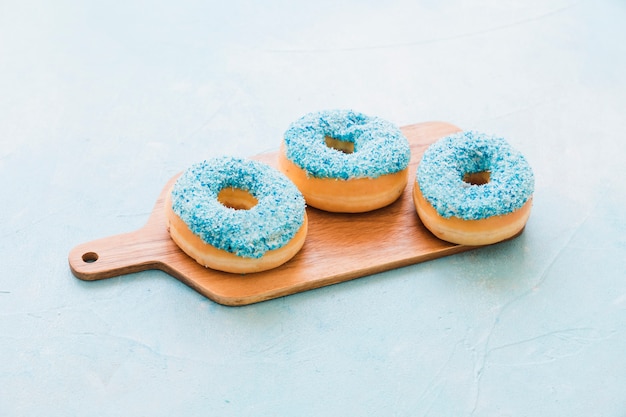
{"x":380,"y":148}
{"x":444,"y":164}
{"x":269,"y":225}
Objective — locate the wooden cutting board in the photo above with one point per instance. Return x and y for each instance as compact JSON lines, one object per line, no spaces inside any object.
{"x":338,"y":247}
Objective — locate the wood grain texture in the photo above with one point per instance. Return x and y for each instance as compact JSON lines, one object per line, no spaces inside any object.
{"x":339,"y":247}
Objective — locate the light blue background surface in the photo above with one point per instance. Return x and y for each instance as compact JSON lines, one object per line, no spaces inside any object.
{"x":100,"y":104}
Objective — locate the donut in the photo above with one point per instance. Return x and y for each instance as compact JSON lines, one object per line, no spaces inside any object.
{"x":473,"y":189}
{"x":236,"y":215}
{"x":345,"y":161}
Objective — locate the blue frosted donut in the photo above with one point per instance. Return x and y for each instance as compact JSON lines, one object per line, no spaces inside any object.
{"x":273,"y":221}
{"x":379,"y":146}
{"x":506,"y":186}
{"x":344,"y":161}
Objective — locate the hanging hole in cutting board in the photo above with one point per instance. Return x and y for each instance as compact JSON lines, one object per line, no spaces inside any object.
{"x":90,"y":257}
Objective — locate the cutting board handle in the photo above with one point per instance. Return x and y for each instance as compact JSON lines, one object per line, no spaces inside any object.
{"x":112,"y":256}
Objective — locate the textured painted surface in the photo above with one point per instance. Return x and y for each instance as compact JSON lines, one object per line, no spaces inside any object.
{"x":101,"y":104}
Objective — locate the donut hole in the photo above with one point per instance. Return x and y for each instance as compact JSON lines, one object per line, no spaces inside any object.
{"x":339,"y":145}
{"x":236,"y":198}
{"x":477,"y":178}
